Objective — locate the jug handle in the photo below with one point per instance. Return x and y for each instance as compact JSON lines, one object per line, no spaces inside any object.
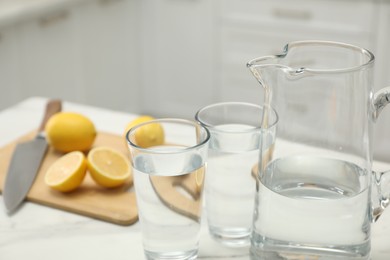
{"x":382,"y":184}
{"x":382,"y":179}
{"x":381,"y":99}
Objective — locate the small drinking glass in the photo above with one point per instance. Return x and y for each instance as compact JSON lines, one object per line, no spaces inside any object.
{"x":168,"y":180}
{"x":235,"y":129}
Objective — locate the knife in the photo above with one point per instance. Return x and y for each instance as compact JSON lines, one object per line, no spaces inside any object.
{"x":25,"y":163}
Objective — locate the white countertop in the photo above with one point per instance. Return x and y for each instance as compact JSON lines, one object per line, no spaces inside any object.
{"x":39,"y":232}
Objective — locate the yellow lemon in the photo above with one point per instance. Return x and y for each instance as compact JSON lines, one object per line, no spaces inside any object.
{"x":108,"y":167}
{"x":67,"y":132}
{"x":147,"y":135}
{"x":67,"y":173}
{"x":137,"y":121}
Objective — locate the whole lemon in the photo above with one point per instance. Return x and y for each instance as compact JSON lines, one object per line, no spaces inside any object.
{"x":67,"y":132}
{"x":148,"y":135}
{"x":137,"y":121}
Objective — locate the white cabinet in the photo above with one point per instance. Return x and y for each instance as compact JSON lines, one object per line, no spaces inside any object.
{"x":108,"y":49}
{"x":85,"y":52}
{"x":251,"y":28}
{"x":382,"y":50}
{"x":382,"y":79}
{"x":178,"y":56}
{"x":49,"y":63}
{"x":37,"y":58}
{"x":9,"y":68}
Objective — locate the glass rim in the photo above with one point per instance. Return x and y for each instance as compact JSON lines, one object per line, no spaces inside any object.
{"x":294,"y":44}
{"x":168,"y":120}
{"x":235,"y":103}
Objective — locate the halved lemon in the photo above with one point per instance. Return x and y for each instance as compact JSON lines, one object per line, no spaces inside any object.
{"x":67,"y":172}
{"x":108,"y":167}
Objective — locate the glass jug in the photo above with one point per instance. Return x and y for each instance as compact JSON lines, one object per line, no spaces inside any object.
{"x":316,"y":194}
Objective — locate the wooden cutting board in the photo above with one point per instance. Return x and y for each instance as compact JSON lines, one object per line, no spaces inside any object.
{"x":116,"y":205}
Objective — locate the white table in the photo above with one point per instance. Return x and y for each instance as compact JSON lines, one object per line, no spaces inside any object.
{"x":39,"y":232}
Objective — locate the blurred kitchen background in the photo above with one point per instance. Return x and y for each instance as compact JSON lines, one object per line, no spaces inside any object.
{"x":171,"y":57}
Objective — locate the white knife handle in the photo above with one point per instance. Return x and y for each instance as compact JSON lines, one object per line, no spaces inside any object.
{"x":52,"y":107}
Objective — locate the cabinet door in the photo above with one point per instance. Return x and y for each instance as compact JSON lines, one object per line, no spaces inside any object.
{"x":9,"y":71}
{"x":108,"y":49}
{"x":178,"y":56}
{"x":382,"y":51}
{"x":382,"y":79}
{"x":251,"y":28}
{"x":49,"y":65}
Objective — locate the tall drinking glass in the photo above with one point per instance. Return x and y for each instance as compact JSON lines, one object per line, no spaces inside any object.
{"x":168,"y":181}
{"x":235,"y":129}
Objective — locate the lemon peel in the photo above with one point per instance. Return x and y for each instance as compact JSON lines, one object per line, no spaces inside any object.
{"x":68,"y":131}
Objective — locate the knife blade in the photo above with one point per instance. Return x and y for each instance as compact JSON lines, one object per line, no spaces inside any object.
{"x":25,"y":163}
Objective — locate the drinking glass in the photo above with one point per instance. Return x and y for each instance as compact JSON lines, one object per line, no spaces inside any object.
{"x":168,"y":180}
{"x":235,"y":129}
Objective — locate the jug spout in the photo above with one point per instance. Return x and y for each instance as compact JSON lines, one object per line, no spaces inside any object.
{"x":261,"y":67}
{"x":258,"y":67}
{"x":265,"y":70}
{"x":382,"y":188}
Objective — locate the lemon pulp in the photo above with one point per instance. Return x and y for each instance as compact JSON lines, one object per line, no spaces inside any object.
{"x":108,"y":167}
{"x":67,"y":172}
